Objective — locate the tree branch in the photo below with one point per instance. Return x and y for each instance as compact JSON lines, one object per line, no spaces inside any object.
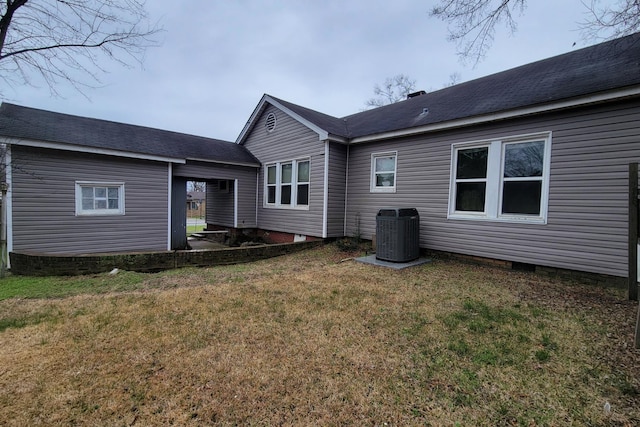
{"x":610,"y":22}
{"x":63,"y":40}
{"x":472,"y":23}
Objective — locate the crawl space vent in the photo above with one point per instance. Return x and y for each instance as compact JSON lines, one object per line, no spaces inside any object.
{"x":270,"y":122}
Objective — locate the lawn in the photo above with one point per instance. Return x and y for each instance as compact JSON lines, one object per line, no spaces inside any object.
{"x":194,"y":228}
{"x":315,"y":338}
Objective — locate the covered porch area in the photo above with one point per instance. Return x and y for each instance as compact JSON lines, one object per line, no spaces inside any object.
{"x":230,"y":201}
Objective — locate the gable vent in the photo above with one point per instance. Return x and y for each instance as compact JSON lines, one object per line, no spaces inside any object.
{"x":270,"y":122}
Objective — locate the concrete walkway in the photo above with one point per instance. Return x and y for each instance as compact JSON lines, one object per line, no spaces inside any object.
{"x":199,"y":244}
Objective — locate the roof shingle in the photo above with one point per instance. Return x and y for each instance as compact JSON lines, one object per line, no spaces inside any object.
{"x":41,"y":125}
{"x":596,"y":69}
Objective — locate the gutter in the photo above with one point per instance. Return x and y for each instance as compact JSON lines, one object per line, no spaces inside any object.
{"x":251,"y":165}
{"x":87,"y":149}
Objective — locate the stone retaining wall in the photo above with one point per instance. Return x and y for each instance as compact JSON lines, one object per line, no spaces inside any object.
{"x":32,"y":264}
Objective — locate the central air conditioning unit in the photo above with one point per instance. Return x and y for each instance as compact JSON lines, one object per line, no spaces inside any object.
{"x":398,"y":234}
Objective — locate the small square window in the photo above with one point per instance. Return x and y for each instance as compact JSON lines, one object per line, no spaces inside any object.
{"x":99,"y":198}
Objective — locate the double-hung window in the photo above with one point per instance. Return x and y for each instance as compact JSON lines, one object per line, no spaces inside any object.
{"x":272,"y":184}
{"x":383,"y":172}
{"x":99,"y":198}
{"x":522,"y":178}
{"x":286,"y":177}
{"x":501,"y":179}
{"x":302,"y":182}
{"x":287,"y":184}
{"x":471,"y":179}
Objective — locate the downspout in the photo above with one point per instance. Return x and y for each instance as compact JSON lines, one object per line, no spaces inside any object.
{"x":169,"y":215}
{"x":325,"y":209}
{"x":346,"y":191}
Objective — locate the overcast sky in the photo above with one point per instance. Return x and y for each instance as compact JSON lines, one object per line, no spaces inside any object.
{"x":218,"y":57}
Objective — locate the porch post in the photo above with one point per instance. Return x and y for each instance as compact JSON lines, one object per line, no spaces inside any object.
{"x":4,"y":254}
{"x":633,"y":243}
{"x":633,"y":231}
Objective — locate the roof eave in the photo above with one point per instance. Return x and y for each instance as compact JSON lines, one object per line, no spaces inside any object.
{"x":323,"y":134}
{"x":251,"y":122}
{"x":224,"y":162}
{"x":338,"y":139}
{"x":87,"y":149}
{"x":503,"y":115}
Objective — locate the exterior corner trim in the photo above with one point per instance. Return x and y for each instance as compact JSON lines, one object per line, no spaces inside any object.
{"x":325,"y":207}
{"x":169,"y":198}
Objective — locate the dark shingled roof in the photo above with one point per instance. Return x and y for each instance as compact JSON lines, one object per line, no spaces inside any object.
{"x":41,"y":125}
{"x":331,"y":124}
{"x":597,"y":69}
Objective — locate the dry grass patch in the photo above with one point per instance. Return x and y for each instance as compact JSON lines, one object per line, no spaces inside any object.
{"x":307,"y":339}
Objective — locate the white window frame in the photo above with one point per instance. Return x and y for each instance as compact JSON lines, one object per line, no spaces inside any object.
{"x":374,"y":188}
{"x":495,"y":180}
{"x":281,"y":184}
{"x":293,"y":184}
{"x":267,"y":185}
{"x":79,"y":185}
{"x":298,"y":183}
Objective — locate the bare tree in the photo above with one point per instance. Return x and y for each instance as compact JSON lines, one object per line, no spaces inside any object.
{"x":394,"y":89}
{"x":63,"y":40}
{"x":454,"y":79}
{"x":472,"y":23}
{"x":608,"y":22}
{"x":196,"y":186}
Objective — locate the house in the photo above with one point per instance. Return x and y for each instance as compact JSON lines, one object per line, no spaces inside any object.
{"x":81,"y":185}
{"x":197,"y":203}
{"x":529,"y":166}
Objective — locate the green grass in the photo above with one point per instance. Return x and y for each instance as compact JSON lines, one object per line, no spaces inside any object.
{"x":309,"y":339}
{"x":32,"y":318}
{"x":194,"y":229}
{"x":58,"y":287}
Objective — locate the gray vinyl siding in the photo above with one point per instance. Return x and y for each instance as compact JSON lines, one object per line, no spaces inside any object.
{"x":337,"y":186}
{"x":220,"y":205}
{"x":290,"y":140}
{"x":246,"y":176}
{"x":44,"y":211}
{"x":587,"y":213}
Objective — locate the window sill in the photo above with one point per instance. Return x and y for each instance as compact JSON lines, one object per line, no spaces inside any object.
{"x":100,"y":213}
{"x":287,"y":208}
{"x":508,"y":219}
{"x":383,"y":190}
